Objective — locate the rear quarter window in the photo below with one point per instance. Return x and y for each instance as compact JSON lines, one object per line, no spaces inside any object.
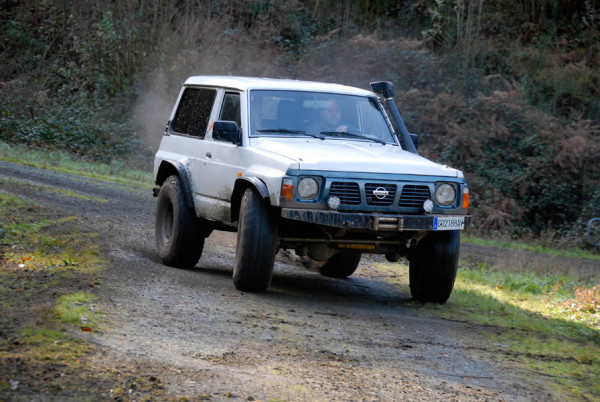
{"x":193,"y":111}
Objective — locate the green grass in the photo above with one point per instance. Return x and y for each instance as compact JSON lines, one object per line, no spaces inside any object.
{"x":520,"y":245}
{"x":523,"y":300}
{"x":117,"y":171}
{"x":50,"y":344}
{"x":529,"y":321}
{"x":77,"y":309}
{"x":38,"y":242}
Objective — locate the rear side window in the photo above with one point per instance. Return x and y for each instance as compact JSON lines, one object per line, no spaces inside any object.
{"x":193,"y":111}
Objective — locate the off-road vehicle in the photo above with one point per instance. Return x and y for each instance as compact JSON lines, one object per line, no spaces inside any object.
{"x":312,"y":167}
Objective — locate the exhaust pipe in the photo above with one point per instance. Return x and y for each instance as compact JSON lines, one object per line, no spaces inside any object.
{"x":387,"y":89}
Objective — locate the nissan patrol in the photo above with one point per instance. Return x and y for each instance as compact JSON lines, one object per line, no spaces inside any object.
{"x":316,"y":168}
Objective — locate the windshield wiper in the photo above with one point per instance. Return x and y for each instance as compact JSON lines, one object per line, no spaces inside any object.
{"x":353,"y":135}
{"x":288,"y":131}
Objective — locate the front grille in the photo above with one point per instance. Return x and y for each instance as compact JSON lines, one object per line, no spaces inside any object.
{"x":348,"y":192}
{"x":382,"y":199}
{"x":414,"y":196}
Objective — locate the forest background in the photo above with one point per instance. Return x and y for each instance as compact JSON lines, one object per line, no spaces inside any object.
{"x":508,"y":90}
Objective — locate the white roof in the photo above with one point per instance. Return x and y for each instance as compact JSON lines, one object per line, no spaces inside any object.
{"x":248,"y":83}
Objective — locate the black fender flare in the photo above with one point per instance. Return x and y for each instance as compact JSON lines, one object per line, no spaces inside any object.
{"x":241,"y":184}
{"x":169,"y":168}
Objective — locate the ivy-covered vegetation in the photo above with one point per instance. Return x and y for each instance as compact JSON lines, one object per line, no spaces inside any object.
{"x":506,"y":90}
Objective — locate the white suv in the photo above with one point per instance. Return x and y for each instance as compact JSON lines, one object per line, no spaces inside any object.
{"x":317,"y":168}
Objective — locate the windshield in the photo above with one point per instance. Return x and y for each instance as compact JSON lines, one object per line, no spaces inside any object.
{"x":319,"y":115}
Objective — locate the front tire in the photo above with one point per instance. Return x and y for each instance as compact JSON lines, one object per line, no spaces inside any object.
{"x":341,"y":265}
{"x":433,"y":265}
{"x":177,"y":230}
{"x":256,"y":244}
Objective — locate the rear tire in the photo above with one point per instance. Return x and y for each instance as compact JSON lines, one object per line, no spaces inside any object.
{"x":341,"y":265}
{"x":177,"y":230}
{"x":256,"y":244}
{"x":433,"y":265}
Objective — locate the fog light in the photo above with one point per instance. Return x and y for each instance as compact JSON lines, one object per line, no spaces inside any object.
{"x":428,"y":206}
{"x":334,"y":202}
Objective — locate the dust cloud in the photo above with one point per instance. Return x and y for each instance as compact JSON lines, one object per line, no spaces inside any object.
{"x":218,"y":50}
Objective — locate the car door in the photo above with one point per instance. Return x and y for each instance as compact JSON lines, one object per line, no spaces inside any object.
{"x":220,"y":163}
{"x":189,"y":127}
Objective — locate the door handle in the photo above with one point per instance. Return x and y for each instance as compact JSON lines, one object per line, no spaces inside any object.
{"x":208,"y":155}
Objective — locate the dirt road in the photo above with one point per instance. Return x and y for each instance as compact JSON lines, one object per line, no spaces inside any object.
{"x":307,"y":338}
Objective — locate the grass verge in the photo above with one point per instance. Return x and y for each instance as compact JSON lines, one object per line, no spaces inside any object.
{"x":545,"y":324}
{"x":537,"y":248}
{"x":117,"y":171}
{"x":49,"y":270}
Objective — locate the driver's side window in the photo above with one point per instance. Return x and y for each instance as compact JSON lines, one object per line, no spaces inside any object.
{"x":230,"y":111}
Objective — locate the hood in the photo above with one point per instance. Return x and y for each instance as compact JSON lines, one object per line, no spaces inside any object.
{"x":352,"y":156}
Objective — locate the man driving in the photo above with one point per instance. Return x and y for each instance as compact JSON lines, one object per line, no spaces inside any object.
{"x":330,"y":119}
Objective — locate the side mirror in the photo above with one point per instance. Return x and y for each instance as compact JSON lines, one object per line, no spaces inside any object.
{"x":226,"y":131}
{"x":415,"y":139}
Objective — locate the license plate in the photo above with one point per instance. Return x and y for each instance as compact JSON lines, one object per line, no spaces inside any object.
{"x":448,"y":223}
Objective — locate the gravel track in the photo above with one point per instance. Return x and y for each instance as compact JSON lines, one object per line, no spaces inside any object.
{"x":307,"y":338}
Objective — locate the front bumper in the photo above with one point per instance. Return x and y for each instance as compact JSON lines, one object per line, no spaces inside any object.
{"x":374,"y":221}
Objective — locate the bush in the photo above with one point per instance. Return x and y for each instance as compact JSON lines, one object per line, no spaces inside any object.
{"x":89,"y":79}
{"x":80,"y":128}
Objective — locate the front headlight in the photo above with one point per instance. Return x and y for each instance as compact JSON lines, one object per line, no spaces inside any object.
{"x":445,"y":194}
{"x":308,"y":188}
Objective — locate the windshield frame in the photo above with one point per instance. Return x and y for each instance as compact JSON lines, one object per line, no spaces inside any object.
{"x":384,"y":137}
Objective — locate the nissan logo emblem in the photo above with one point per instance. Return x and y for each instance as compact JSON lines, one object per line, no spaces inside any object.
{"x":380,"y":193}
